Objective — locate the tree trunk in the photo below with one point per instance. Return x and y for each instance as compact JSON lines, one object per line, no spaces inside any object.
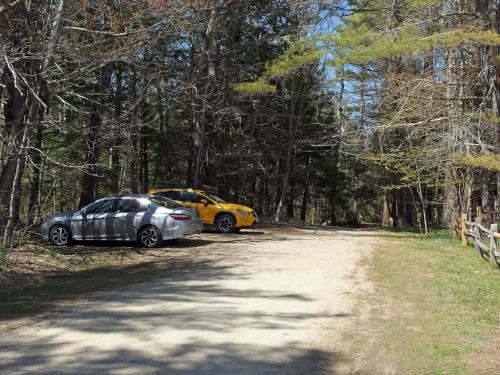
{"x":89,"y":179}
{"x":332,"y":205}
{"x":15,"y":196}
{"x":288,"y":157}
{"x":466,"y":197}
{"x":290,"y":205}
{"x":199,"y":144}
{"x":31,"y":105}
{"x":449,"y":200}
{"x":305,"y":196}
{"x":422,"y":206}
{"x":135,"y":177}
{"x":201,"y":115}
{"x":163,"y":158}
{"x":115,"y":174}
{"x":14,"y":112}
{"x":496,"y":106}
{"x":485,"y":198}
{"x":387,"y":220}
{"x":145,"y":163}
{"x":36,"y":160}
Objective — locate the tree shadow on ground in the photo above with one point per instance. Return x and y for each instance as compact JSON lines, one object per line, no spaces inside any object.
{"x":191,"y":358}
{"x":193,"y":319}
{"x":94,"y":247}
{"x":43,"y":294}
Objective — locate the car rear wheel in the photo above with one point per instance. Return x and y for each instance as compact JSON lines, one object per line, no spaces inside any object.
{"x":149,"y":236}
{"x":60,"y":235}
{"x":225,"y":223}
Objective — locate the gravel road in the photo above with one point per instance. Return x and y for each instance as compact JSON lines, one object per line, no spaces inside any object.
{"x":262,"y":302}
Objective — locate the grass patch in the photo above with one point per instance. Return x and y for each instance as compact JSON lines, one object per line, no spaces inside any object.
{"x":444,"y":304}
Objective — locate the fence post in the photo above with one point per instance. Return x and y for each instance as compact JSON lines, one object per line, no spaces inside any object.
{"x":477,"y":235}
{"x":493,"y":243}
{"x":454,"y":224}
{"x":464,"y":229}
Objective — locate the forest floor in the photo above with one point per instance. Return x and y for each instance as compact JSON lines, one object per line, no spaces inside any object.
{"x":267,"y":301}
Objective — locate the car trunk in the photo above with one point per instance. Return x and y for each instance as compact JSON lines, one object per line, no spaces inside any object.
{"x":187,"y":210}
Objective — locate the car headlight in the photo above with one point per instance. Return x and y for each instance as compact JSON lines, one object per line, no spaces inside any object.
{"x":243,"y":212}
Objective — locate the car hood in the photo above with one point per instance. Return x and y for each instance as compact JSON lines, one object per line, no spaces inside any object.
{"x":232,"y":206}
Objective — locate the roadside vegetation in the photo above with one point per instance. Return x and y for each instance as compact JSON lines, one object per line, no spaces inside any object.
{"x":437,"y":305}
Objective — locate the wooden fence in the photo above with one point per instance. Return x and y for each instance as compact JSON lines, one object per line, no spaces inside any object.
{"x":484,"y":239}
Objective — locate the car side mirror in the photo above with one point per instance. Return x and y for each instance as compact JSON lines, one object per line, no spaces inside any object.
{"x":83,"y":213}
{"x":204,"y":201}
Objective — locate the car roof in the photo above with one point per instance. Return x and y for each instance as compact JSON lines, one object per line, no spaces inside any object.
{"x":178,"y":189}
{"x":130,"y":196}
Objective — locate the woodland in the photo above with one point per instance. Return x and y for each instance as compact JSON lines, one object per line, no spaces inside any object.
{"x":320,"y":112}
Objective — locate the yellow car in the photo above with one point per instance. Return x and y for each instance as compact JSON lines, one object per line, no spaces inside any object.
{"x":227,"y":217}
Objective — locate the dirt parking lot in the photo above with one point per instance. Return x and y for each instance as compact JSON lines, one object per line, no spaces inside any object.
{"x":266,"y":301}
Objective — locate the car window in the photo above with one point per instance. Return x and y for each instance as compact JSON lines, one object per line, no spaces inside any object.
{"x":175,"y":195}
{"x":187,"y":196}
{"x":214,"y":197}
{"x":132,"y":205}
{"x":165,"y":202}
{"x":101,"y":207}
{"x":91,"y":208}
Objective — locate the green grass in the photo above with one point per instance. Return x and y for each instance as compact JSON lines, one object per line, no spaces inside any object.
{"x":444,"y":303}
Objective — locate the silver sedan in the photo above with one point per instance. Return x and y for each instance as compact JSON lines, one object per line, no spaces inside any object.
{"x":148,"y":219}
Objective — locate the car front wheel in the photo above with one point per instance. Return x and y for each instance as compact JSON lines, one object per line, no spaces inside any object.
{"x":149,"y":237}
{"x":225,"y":223}
{"x":60,"y":235}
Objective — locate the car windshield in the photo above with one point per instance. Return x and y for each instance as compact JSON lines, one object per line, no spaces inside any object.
{"x":165,"y":202}
{"x":214,"y":197}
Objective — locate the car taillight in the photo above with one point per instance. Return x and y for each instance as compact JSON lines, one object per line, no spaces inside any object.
{"x":180,"y":217}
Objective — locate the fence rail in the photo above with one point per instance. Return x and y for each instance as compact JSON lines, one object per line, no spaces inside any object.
{"x":479,"y":234}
